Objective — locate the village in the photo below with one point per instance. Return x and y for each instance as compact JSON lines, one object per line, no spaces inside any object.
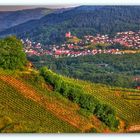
{"x":74,"y":47}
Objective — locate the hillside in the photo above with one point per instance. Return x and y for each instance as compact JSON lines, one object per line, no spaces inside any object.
{"x":25,"y":115}
{"x":13,"y":18}
{"x":86,"y":94}
{"x":115,"y":97}
{"x":38,"y":108}
{"x":80,"y":21}
{"x":30,"y":116}
{"x":125,"y":101}
{"x":43,"y":92}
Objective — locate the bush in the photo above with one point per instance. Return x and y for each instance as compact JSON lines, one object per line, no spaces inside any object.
{"x":74,"y":93}
{"x":87,"y":102}
{"x":57,"y":83}
{"x":85,"y":112}
{"x":111,"y":121}
{"x":11,"y":54}
{"x":64,"y":89}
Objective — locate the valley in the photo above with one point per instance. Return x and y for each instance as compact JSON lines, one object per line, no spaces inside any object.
{"x":70,"y":70}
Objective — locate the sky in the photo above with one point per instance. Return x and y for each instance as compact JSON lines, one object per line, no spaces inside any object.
{"x":26,"y":4}
{"x":13,"y":7}
{"x":59,"y":2}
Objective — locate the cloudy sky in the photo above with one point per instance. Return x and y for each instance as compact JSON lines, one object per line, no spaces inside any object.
{"x":59,"y":3}
{"x":13,"y":8}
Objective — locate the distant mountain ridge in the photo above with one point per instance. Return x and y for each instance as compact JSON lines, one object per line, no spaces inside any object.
{"x":12,"y":18}
{"x":82,"y":20}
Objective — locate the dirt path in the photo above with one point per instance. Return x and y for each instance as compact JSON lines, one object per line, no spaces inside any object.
{"x":133,"y":128}
{"x":62,"y":112}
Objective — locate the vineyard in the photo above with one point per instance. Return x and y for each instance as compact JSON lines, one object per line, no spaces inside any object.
{"x":42,"y":101}
{"x":26,"y":115}
{"x":126,"y":102}
{"x":38,"y":108}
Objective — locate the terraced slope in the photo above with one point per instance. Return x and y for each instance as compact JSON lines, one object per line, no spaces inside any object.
{"x":66,"y":114}
{"x":26,"y":115}
{"x":122,"y":100}
{"x":62,"y":113}
{"x":125,"y":109}
{"x":40,"y":110}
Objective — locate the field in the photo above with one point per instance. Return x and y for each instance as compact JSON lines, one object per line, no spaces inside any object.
{"x":125,"y":101}
{"x":39,"y":109}
{"x":26,"y":115}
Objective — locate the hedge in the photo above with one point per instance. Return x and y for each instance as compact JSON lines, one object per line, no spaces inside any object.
{"x":86,"y":101}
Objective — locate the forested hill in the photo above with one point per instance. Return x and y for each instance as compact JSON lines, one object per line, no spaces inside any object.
{"x":12,"y":18}
{"x":80,"y":21}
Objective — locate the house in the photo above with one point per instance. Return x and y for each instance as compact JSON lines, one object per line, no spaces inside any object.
{"x":68,"y":35}
{"x":138,"y":87}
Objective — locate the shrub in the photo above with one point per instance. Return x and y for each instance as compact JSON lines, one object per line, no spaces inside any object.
{"x":11,"y":54}
{"x":87,"y":102}
{"x":57,"y":83}
{"x":64,"y":89}
{"x":74,"y":93}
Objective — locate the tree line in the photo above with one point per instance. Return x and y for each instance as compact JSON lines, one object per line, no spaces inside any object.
{"x":110,"y":69}
{"x":76,"y":94}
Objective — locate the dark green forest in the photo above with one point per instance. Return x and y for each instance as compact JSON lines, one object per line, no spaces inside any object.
{"x":114,"y":70}
{"x":80,"y":21}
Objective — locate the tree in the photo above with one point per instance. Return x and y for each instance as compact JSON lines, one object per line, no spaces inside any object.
{"x":11,"y":53}
{"x":87,"y":102}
